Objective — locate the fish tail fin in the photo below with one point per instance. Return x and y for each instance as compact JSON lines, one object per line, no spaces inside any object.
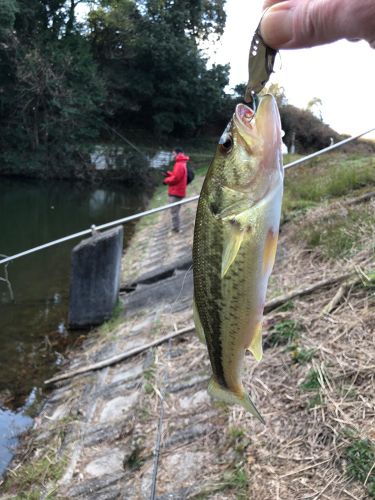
{"x":218,"y":392}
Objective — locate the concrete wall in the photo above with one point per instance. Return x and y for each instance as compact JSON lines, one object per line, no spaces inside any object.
{"x":95,"y":278}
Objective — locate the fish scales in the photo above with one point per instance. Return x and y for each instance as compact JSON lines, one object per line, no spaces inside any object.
{"x":234,"y":246}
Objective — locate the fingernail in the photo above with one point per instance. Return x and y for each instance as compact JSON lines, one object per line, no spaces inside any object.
{"x":277,"y":25}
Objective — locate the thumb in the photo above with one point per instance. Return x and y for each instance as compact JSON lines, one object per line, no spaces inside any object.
{"x":305,"y":23}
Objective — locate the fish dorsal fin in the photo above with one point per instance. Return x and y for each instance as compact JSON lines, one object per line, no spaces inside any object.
{"x":255,"y":346}
{"x":198,"y":324}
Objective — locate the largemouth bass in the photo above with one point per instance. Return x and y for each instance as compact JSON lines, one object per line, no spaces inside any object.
{"x":235,"y":239}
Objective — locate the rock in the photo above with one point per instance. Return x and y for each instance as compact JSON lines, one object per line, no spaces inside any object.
{"x":118,"y":407}
{"x":108,"y":463}
{"x":129,"y":374}
{"x":186,"y":466}
{"x":197,"y":399}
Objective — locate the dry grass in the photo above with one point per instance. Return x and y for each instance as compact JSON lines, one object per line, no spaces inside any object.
{"x":315,"y":385}
{"x":318,"y":404}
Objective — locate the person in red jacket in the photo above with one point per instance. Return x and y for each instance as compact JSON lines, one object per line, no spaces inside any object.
{"x":176,"y":181}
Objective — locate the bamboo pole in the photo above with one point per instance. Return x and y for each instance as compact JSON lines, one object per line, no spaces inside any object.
{"x":119,"y":357}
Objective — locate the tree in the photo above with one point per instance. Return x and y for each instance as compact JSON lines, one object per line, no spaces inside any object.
{"x":315,"y":106}
{"x":310,"y":133}
{"x":50,"y":106}
{"x":156,"y":76}
{"x":196,"y":18}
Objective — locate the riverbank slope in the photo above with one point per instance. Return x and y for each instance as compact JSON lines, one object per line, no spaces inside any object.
{"x":99,"y":433}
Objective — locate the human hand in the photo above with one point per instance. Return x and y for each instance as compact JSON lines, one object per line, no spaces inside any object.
{"x":291,"y":24}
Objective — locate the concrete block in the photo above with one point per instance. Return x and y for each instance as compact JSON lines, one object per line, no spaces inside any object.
{"x":95,"y":278}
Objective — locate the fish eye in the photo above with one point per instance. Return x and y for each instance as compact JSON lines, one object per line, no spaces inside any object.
{"x":227,"y":144}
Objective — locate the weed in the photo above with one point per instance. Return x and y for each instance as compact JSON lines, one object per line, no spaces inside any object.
{"x":30,"y":479}
{"x":368,"y":280}
{"x":235,"y":433}
{"x":148,"y":388}
{"x":284,"y":332}
{"x":311,"y":382}
{"x":287,"y":306}
{"x":316,"y":400}
{"x":301,"y":355}
{"x":237,"y":480}
{"x":238,"y":439}
{"x":117,"y":318}
{"x":149,"y":374}
{"x":134,"y":461}
{"x":360,"y":456}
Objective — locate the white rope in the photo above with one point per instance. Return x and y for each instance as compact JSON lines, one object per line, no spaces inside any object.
{"x":166,"y":207}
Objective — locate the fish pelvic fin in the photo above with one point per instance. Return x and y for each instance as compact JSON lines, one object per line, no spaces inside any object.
{"x":198,"y":324}
{"x":256,"y":347}
{"x":234,"y":239}
{"x":227,"y":396}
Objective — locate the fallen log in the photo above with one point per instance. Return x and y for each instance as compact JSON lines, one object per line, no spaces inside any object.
{"x":279,"y":301}
{"x":360,"y":199}
{"x":118,"y":358}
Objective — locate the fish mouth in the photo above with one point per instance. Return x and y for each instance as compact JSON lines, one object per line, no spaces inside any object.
{"x":260,"y":130}
{"x":243,"y":118}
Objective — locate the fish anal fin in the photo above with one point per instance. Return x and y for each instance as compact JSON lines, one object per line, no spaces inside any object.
{"x":198,"y":324}
{"x":270,"y":251}
{"x":256,"y":347}
{"x":218,"y":392}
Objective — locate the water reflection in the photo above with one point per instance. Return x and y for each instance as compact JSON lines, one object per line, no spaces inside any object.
{"x":32,"y":326}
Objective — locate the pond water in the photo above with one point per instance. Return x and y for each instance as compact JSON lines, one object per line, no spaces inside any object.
{"x":33,"y":312}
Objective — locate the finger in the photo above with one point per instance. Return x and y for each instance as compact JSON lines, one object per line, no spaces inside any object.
{"x":304,"y":23}
{"x":269,"y":3}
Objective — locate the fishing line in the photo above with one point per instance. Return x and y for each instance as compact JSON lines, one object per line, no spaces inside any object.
{"x":157,"y":448}
{"x":182,"y":287}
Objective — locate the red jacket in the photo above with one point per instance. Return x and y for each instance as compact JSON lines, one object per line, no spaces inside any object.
{"x":177,"y":179}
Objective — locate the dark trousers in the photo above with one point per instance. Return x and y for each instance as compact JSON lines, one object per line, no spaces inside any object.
{"x":175,"y":212}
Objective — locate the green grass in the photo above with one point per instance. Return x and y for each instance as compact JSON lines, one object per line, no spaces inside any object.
{"x":287,"y":306}
{"x":30,"y":480}
{"x":238,"y":439}
{"x":284,"y":332}
{"x":237,"y":480}
{"x":135,"y":460}
{"x":301,"y":355}
{"x":117,"y":318}
{"x":360,"y":460}
{"x":311,"y":382}
{"x":324,"y":178}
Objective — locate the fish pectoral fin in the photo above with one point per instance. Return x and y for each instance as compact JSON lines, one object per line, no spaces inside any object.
{"x":218,"y":392}
{"x":256,"y":347}
{"x":232,"y":243}
{"x":198,"y":324}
